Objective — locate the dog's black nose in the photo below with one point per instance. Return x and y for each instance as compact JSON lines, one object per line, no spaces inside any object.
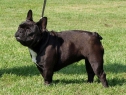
{"x":17,"y":36}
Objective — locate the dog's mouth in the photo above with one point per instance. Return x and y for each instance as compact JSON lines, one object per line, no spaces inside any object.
{"x":18,"y":38}
{"x":23,"y":41}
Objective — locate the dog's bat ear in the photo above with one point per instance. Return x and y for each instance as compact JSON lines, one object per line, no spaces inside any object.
{"x":44,"y":23}
{"x":29,"y":15}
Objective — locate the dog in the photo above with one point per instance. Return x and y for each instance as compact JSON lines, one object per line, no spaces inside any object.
{"x":51,"y":51}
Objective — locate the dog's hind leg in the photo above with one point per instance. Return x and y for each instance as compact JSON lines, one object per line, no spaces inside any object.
{"x":100,"y":73}
{"x":90,"y":71}
{"x":97,"y":66}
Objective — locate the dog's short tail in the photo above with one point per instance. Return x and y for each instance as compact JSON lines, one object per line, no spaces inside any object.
{"x":97,"y":35}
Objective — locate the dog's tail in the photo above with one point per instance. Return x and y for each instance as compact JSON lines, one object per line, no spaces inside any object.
{"x":97,"y":35}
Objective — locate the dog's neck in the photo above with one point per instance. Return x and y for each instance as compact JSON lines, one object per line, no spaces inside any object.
{"x":39,"y":47}
{"x":41,"y":44}
{"x":33,"y":55}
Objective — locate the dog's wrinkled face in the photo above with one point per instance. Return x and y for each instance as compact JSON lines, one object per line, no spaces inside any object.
{"x":29,"y":32}
{"x":26,"y":33}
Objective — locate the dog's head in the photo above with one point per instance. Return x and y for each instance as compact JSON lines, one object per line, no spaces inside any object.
{"x":30,"y":32}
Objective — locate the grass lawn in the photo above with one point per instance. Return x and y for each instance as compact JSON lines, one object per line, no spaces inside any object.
{"x":19,"y":75}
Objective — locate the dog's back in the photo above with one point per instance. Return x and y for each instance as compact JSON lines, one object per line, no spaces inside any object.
{"x":77,"y":45}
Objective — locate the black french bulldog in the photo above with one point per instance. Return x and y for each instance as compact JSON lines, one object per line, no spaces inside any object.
{"x":52,"y":51}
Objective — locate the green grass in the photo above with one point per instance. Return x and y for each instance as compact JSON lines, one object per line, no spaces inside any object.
{"x":19,"y":76}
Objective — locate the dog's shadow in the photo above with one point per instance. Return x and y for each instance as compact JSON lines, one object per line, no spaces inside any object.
{"x":20,"y":71}
{"x":70,"y":70}
{"x":114,"y":68}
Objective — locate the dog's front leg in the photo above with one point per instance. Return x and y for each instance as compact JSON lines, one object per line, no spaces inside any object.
{"x":46,"y":74}
{"x":47,"y":62}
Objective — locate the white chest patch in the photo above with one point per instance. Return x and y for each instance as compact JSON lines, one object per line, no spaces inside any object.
{"x":34,"y":55}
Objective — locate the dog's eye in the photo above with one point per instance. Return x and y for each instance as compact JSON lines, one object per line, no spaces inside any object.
{"x":27,"y":27}
{"x":31,"y":34}
{"x":27,"y":30}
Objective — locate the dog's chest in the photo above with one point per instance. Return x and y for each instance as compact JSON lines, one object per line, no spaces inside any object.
{"x":33,"y":54}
